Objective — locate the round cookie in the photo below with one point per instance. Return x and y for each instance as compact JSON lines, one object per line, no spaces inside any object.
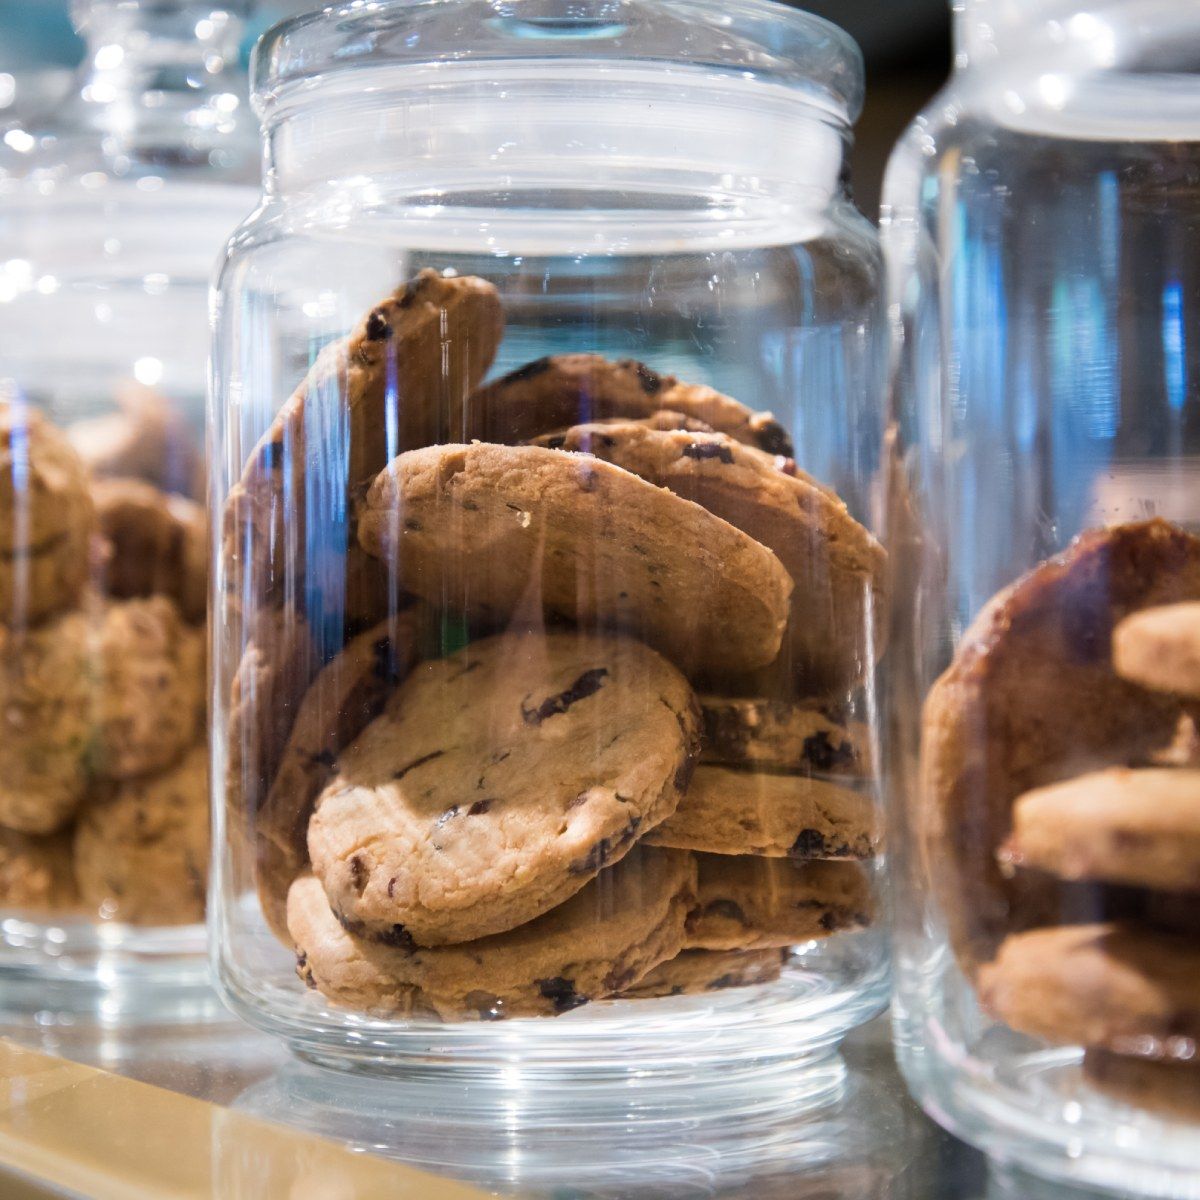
{"x":774,"y":735}
{"x":495,"y":531}
{"x":1031,"y":698}
{"x":148,"y":687}
{"x":695,"y":971}
{"x":346,"y":695}
{"x":1119,"y":987}
{"x":778,"y":816}
{"x":36,"y":873}
{"x":1160,"y":649}
{"x":553,"y":393}
{"x":498,"y":781}
{"x":157,"y":544}
{"x":397,"y":380}
{"x":839,"y":616}
{"x":1138,"y":827}
{"x":1169,"y":1088}
{"x":747,"y":903}
{"x":46,"y":518}
{"x":141,"y":854}
{"x":47,"y":722}
{"x":605,"y":938}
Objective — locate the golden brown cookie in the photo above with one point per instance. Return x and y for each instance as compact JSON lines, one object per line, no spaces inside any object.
{"x":495,"y":531}
{"x":1115,"y":986}
{"x":1138,"y":827}
{"x":1032,"y":698}
{"x":839,"y":616}
{"x":554,"y":393}
{"x":776,"y":735}
{"x":1160,"y":648}
{"x":46,"y":518}
{"x":157,"y":544}
{"x":141,"y":854}
{"x":399,"y":378}
{"x":695,"y":971}
{"x":747,"y":903}
{"x":1169,"y":1088}
{"x":743,"y":812}
{"x":499,"y":780}
{"x":605,"y":938}
{"x":47,"y":722}
{"x":347,"y":694}
{"x":36,"y":874}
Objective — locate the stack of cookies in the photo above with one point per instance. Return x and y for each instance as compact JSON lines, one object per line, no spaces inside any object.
{"x":630,"y":771}
{"x":1064,"y":797}
{"x":103,"y":760}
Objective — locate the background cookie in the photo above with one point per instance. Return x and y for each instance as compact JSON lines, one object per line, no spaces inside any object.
{"x":839,"y":615}
{"x":406,"y":366}
{"x":497,"y":530}
{"x":605,"y":938}
{"x":498,"y":781}
{"x":36,"y":872}
{"x":1117,"y":826}
{"x":1169,"y":1088}
{"x":745,"y":903}
{"x":46,"y":518}
{"x":1160,"y":649}
{"x":553,"y":393}
{"x":740,"y":812}
{"x":1032,"y":698}
{"x":777,"y":735}
{"x":695,"y":971}
{"x":346,"y":695}
{"x":141,"y":854}
{"x":1115,"y":986}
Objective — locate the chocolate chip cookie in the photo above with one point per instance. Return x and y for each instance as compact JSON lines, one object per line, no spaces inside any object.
{"x":1137,"y":827}
{"x":775,"y":735}
{"x":36,"y":873}
{"x":553,"y":393}
{"x":746,"y":903}
{"x":839,"y":615}
{"x":742,"y":812}
{"x":157,"y":544}
{"x":395,"y":380}
{"x":695,"y":971}
{"x":1031,"y":698}
{"x":1169,"y":1088}
{"x":1160,"y":648}
{"x":347,"y":694}
{"x":496,"y":531}
{"x":602,"y":940}
{"x":498,"y":781}
{"x":46,"y":518}
{"x":47,"y":722}
{"x":141,"y":854}
{"x":1119,"y":987}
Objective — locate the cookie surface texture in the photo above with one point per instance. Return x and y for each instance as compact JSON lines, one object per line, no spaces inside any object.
{"x":499,"y":780}
{"x":499,"y":530}
{"x":1160,"y":649}
{"x":605,"y":938}
{"x":1030,"y":699}
{"x":697,"y":971}
{"x":779,"y":816}
{"x":1136,"y":827}
{"x":36,"y":873}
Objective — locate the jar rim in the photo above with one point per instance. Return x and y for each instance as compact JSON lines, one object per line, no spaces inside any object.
{"x":762,"y":39}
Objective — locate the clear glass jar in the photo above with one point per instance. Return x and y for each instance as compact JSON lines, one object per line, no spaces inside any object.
{"x":111,"y":218}
{"x":474,"y":534}
{"x":1040,"y":221}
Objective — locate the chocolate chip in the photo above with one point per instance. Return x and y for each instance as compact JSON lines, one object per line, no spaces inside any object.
{"x":412,"y":524}
{"x":650,"y":381}
{"x":724,"y":981}
{"x":824,"y":755}
{"x":773,"y":438}
{"x":270,"y":457}
{"x":378,"y":329}
{"x":399,"y":937}
{"x":478,"y":808}
{"x":386,"y":665}
{"x":557,"y":442}
{"x":324,"y":758}
{"x":811,"y":843}
{"x":601,"y":853}
{"x":416,"y":762}
{"x":528,"y":371}
{"x":705,"y":450}
{"x":828,"y":922}
{"x":358,"y":872}
{"x":588,"y":684}
{"x":561,"y":992}
{"x":391,"y":887}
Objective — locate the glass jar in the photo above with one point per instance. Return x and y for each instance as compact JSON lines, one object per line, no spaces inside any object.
{"x":524,"y":595}
{"x":1040,"y":221}
{"x":111,"y":218}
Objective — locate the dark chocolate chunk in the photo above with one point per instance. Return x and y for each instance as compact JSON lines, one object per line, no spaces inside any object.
{"x":650,"y":380}
{"x":704,"y":450}
{"x":588,"y":684}
{"x":824,"y":754}
{"x":358,"y":872}
{"x":399,"y":937}
{"x":773,"y":438}
{"x":561,"y":992}
{"x":478,"y":808}
{"x":810,"y":843}
{"x":528,"y":371}
{"x":378,"y":329}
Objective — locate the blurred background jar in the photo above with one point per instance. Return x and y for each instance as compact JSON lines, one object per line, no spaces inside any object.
{"x":1040,"y":219}
{"x":112,"y":212}
{"x":547,"y":410}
